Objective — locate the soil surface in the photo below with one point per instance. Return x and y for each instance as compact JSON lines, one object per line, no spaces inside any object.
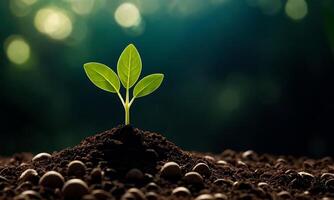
{"x":125,"y":157}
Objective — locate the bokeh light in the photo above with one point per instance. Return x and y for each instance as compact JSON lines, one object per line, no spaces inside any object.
{"x":29,"y":2}
{"x":296,"y":9}
{"x":148,"y":7}
{"x":20,"y":8}
{"x":53,"y":22}
{"x":271,"y":7}
{"x":229,"y":99}
{"x":127,"y":15}
{"x":17,"y":49}
{"x":82,"y":7}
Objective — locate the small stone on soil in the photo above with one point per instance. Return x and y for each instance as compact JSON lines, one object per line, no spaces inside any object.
{"x":202,"y":169}
{"x":52,"y":179}
{"x":171,"y":170}
{"x":181,"y":191}
{"x":74,"y":189}
{"x":76,"y":168}
{"x":28,"y":175}
{"x":193,"y":178}
{"x":41,"y":156}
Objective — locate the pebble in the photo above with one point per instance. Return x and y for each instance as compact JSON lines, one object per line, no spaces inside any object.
{"x":128,"y":196}
{"x":24,"y":186}
{"x":152,"y":154}
{"x":29,"y":175}
{"x":96,"y":175}
{"x":76,"y":168}
{"x":134,"y":175}
{"x":284,"y":195}
{"x":171,"y":170}
{"x":220,"y":196}
{"x":101,"y":194}
{"x":74,"y":189}
{"x":193,"y":178}
{"x":263,"y":185}
{"x":41,"y":156}
{"x":52,"y":179}
{"x":306,"y":175}
{"x":205,"y":197}
{"x":251,"y":155}
{"x":221,"y":162}
{"x":152,"y":196}
{"x":210,"y":158}
{"x":138,"y":194}
{"x":281,"y":160}
{"x":181,"y":191}
{"x":31,"y":194}
{"x":222,"y":181}
{"x":202,"y":169}
{"x":241,"y":164}
{"x":327,"y":175}
{"x":152,"y":187}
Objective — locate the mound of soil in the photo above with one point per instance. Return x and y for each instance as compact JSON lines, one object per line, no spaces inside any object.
{"x":118,"y":161}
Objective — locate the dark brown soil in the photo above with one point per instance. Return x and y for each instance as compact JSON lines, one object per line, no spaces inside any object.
{"x":123,"y":148}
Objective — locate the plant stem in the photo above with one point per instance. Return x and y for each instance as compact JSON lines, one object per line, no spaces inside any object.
{"x":127,"y":108}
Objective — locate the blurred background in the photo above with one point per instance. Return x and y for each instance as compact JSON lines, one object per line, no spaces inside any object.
{"x":239,"y":74}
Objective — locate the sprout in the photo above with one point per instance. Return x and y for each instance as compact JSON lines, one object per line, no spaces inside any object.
{"x":129,"y":67}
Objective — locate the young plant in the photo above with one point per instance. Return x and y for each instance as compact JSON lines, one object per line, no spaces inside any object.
{"x":129,"y":67}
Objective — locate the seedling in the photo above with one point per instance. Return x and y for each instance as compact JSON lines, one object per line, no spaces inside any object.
{"x":129,"y":67}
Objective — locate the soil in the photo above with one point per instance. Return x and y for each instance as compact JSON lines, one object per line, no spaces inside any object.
{"x":123,"y":148}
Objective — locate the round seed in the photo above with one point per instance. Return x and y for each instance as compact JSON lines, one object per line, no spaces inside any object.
{"x":221,"y":162}
{"x":263,"y":185}
{"x":29,"y":175}
{"x":193,"y":178}
{"x":151,"y":196}
{"x":101,"y":194}
{"x":138,"y":194}
{"x":220,"y":196}
{"x":128,"y":196}
{"x":52,"y":179}
{"x":306,"y":175}
{"x":76,"y":168}
{"x":171,"y":170}
{"x":241,"y":164}
{"x":152,"y":187}
{"x":181,"y":191}
{"x":205,"y":197}
{"x":327,"y":175}
{"x":251,"y":155}
{"x":202,"y":169}
{"x":134,"y":175}
{"x":221,"y":182}
{"x":210,"y":158}
{"x":96,"y":175}
{"x":41,"y":156}
{"x":284,"y":195}
{"x":74,"y":189}
{"x":31,"y":194}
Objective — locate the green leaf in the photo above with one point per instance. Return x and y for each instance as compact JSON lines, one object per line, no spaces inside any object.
{"x":102,"y":76}
{"x":129,"y":66}
{"x":148,"y":85}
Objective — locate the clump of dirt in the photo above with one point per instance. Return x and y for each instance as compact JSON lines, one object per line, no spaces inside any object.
{"x":128,"y":163}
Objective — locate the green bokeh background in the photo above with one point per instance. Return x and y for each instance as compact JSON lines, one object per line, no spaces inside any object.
{"x":240,"y":74}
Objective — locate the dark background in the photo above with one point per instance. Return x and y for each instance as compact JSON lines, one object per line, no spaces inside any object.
{"x":239,"y":74}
